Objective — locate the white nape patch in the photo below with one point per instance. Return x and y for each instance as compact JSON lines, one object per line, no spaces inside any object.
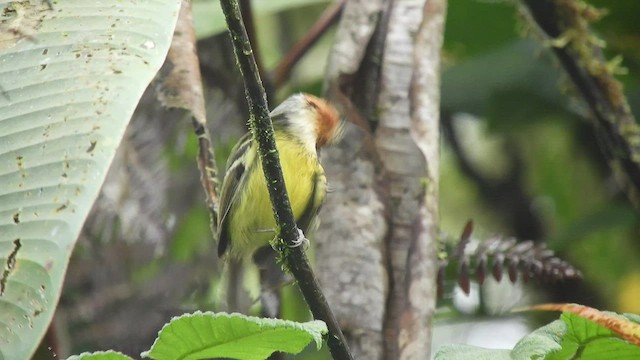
{"x":303,"y":125}
{"x":301,"y":120}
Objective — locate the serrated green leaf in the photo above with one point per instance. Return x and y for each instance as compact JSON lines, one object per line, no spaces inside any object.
{"x":209,"y":20}
{"x":571,"y":337}
{"x":593,"y":341}
{"x":101,"y":355}
{"x":71,"y":74}
{"x":559,"y":340}
{"x":468,"y":352}
{"x":541,"y":342}
{"x":580,"y":320}
{"x":211,"y":335}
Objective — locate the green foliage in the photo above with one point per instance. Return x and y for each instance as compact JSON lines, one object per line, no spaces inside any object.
{"x":571,"y":337}
{"x":466,"y":32}
{"x":189,"y":238}
{"x":207,"y":335}
{"x":520,"y":98}
{"x":72,"y":76}
{"x":467,"y":352}
{"x":470,"y":87}
{"x":214,"y":335}
{"x":585,"y":339}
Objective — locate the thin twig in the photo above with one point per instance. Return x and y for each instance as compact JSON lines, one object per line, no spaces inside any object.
{"x":249,"y":23}
{"x":295,"y":259}
{"x":329,"y":17}
{"x":182,"y":89}
{"x":565,"y":23}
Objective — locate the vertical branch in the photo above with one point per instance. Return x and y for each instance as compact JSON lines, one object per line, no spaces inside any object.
{"x":566,"y":24}
{"x":249,"y":23}
{"x":319,"y":28}
{"x":407,"y":139}
{"x":293,"y":257}
{"x":182,"y":89}
{"x":354,"y":272}
{"x":425,"y":130}
{"x":387,"y":172}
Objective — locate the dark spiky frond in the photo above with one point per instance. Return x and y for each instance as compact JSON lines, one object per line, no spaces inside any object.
{"x":498,"y":257}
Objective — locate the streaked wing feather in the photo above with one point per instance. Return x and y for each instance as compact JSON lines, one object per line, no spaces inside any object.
{"x":234,"y":177}
{"x":313,"y":205}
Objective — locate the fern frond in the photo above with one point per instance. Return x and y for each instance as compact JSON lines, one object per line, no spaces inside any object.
{"x":499,"y":256}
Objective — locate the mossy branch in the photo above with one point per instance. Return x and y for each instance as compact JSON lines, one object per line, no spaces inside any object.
{"x":294,"y":258}
{"x":566,"y":24}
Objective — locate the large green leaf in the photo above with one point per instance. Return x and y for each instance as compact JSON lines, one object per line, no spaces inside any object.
{"x":210,"y":335}
{"x":101,"y":355}
{"x":571,"y":337}
{"x":536,"y":345}
{"x":71,"y":74}
{"x":468,"y":352}
{"x":594,"y":335}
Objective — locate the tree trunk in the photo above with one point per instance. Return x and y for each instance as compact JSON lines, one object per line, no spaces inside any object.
{"x":377,"y":239}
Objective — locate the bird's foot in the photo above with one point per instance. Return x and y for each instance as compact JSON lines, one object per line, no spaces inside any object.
{"x":301,"y":240}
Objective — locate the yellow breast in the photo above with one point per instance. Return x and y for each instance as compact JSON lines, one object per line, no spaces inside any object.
{"x":302,"y":174}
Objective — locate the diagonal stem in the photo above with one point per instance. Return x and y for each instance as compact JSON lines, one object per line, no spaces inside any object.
{"x":294,"y":258}
{"x":329,"y":17}
{"x":585,"y":66}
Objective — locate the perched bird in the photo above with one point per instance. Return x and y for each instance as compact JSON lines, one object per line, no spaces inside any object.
{"x":302,"y":123}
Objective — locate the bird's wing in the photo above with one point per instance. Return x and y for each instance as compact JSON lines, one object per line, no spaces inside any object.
{"x":234,"y":178}
{"x":316,"y":199}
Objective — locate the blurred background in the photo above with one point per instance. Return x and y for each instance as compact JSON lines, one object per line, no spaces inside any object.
{"x":519,"y":157}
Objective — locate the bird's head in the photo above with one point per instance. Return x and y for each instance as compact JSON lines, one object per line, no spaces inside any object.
{"x":313,"y":120}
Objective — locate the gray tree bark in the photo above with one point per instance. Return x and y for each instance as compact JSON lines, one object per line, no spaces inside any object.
{"x":377,"y":239}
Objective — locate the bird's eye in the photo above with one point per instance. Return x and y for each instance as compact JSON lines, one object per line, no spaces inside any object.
{"x":313,"y":104}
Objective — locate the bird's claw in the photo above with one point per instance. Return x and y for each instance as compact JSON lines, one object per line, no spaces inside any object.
{"x":301,"y":240}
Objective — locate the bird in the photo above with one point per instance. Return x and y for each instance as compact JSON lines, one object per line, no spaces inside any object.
{"x":302,"y":125}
